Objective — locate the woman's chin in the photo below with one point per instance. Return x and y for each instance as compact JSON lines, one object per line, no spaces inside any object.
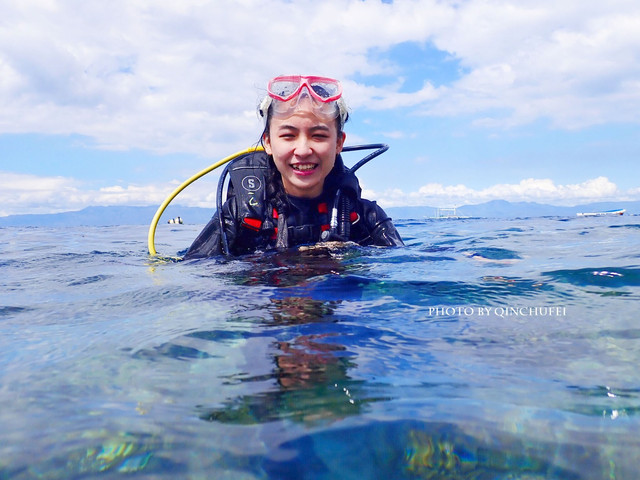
{"x":306,"y":187}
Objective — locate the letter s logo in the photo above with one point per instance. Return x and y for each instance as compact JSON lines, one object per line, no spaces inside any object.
{"x":251,"y":183}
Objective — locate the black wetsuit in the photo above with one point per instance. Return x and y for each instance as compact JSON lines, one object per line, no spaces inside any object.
{"x":292,"y":221}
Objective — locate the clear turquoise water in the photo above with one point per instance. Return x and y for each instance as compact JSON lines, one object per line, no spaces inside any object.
{"x":485,"y":349}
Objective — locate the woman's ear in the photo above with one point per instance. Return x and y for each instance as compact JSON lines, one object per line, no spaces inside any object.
{"x":340,"y":142}
{"x":266,"y":141}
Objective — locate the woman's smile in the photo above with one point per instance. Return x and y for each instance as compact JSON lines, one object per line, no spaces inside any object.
{"x":304,"y":168}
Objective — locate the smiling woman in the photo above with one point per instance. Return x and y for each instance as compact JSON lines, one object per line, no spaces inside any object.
{"x":281,"y":198}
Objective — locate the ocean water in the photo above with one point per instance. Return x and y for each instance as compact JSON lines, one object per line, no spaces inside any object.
{"x":484,"y":349}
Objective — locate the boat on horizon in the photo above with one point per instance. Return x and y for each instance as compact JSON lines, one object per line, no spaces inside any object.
{"x":607,"y":213}
{"x":448,"y":213}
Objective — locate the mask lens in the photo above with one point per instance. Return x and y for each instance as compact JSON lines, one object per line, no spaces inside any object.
{"x":304,"y":100}
{"x":283,"y":88}
{"x":325,"y":89}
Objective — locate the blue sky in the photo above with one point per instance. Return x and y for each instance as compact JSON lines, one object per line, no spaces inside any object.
{"x":116,"y":103}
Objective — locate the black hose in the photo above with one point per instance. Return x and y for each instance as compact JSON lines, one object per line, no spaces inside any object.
{"x":219,"y":203}
{"x":380,"y":149}
{"x":344,"y":222}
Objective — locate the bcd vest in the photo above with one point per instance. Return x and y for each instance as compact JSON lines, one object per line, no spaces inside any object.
{"x":258,"y":218}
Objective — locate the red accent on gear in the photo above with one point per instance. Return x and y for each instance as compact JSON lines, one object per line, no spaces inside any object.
{"x":252,"y":223}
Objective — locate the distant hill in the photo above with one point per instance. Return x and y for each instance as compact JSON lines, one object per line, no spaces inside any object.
{"x":105,"y":216}
{"x":504,"y":209}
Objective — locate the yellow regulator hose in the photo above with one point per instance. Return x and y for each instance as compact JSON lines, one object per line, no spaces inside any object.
{"x":185,"y":184}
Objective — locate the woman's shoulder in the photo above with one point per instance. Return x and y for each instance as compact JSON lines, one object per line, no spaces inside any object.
{"x":372,"y":207}
{"x":380,"y":226}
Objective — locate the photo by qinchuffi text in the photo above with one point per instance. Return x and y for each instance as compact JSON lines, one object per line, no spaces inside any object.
{"x":500,"y":311}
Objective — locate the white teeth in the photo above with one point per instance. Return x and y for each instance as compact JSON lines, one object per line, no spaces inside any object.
{"x":304,"y":167}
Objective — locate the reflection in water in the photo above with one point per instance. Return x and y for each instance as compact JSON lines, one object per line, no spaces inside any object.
{"x":307,"y":361}
{"x":292,"y":310}
{"x":309,"y":369}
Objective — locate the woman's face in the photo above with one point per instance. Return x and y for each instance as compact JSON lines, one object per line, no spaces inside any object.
{"x":304,"y":148}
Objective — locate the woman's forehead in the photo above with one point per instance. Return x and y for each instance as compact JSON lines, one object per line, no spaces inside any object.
{"x":304,"y":119}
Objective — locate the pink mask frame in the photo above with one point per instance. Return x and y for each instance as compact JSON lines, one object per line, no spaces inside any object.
{"x":287,"y":87}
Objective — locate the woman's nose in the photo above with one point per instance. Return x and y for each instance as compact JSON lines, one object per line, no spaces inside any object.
{"x":303,"y":147}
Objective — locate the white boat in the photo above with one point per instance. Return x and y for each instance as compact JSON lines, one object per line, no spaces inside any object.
{"x":607,"y":213}
{"x":175,"y":220}
{"x":448,"y":213}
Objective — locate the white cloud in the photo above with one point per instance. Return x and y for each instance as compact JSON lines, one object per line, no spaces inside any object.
{"x":571,"y":62}
{"x":20,"y":194}
{"x":388,"y":97}
{"x":32,"y":194}
{"x":395,"y":134}
{"x":173,"y":76}
{"x":528,"y":190}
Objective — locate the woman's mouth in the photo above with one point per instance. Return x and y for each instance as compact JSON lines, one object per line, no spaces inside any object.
{"x":304,"y":167}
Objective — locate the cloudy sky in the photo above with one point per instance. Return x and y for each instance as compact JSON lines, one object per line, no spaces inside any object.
{"x":117,"y":102}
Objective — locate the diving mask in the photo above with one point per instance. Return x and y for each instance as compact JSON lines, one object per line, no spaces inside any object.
{"x":323,"y":89}
{"x":288,"y":92}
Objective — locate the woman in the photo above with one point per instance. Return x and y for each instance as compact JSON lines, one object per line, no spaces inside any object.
{"x":285,"y":196}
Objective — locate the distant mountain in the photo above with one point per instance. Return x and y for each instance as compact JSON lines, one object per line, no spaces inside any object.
{"x":504,"y":209}
{"x":105,"y":216}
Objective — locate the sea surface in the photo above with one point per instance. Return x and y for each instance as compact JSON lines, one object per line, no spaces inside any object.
{"x":484,"y":349}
